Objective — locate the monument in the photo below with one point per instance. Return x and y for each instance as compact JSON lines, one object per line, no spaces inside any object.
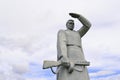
{"x":71,"y":63}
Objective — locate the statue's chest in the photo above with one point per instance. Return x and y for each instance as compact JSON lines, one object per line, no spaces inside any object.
{"x":72,"y":34}
{"x":73,"y":37}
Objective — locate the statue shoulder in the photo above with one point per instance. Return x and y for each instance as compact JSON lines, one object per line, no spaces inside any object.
{"x":61,"y":31}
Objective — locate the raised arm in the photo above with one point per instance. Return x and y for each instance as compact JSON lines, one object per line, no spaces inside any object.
{"x":84,"y":21}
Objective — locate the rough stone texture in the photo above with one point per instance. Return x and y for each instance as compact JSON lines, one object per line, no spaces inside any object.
{"x":69,"y":49}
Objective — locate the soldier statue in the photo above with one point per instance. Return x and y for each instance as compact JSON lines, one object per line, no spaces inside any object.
{"x":71,"y":63}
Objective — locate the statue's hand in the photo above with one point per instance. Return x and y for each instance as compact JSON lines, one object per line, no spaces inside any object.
{"x":74,"y":15}
{"x":65,"y":61}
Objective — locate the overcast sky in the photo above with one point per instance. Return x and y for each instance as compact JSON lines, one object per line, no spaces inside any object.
{"x":28,"y":35}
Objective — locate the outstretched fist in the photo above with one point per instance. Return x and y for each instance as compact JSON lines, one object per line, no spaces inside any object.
{"x":74,"y":15}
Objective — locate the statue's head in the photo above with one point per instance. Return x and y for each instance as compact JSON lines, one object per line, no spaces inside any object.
{"x":70,"y":24}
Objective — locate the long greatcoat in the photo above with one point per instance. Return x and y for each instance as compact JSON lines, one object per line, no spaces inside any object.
{"x":69,"y":44}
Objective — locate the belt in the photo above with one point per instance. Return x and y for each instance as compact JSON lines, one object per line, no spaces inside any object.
{"x":73,"y":45}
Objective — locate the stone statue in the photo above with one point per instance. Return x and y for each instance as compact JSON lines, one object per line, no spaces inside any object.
{"x":71,"y":63}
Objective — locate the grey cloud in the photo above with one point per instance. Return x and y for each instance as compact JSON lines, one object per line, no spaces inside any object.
{"x":113,"y":77}
{"x":31,"y":27}
{"x":7,"y":73}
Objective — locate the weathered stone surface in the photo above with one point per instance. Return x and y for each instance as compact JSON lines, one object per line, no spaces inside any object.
{"x":71,"y":63}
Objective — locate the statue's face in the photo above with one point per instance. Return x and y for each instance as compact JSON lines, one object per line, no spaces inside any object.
{"x":70,"y":24}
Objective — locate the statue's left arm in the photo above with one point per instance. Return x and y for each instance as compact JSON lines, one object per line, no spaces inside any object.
{"x":86,"y":24}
